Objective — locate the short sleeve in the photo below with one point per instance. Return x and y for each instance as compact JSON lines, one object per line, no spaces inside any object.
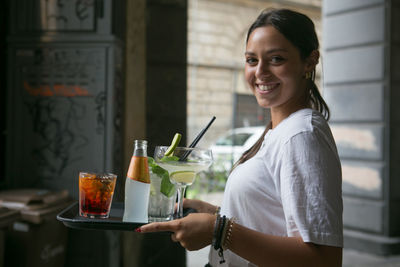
{"x":311,"y":189}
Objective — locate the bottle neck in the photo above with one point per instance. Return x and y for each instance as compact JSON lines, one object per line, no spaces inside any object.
{"x":140,"y":148}
{"x":139,"y":168}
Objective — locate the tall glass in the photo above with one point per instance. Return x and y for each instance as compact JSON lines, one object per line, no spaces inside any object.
{"x":182,"y":167}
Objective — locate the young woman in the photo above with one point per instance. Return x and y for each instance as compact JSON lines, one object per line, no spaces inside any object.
{"x":285,"y":192}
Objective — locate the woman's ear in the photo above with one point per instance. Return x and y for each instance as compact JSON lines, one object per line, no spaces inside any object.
{"x":312,"y":60}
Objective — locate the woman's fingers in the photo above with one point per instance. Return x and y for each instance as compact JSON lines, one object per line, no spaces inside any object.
{"x":171,"y":226}
{"x":173,"y":237}
{"x":158,"y":227}
{"x":193,"y":231}
{"x":155,"y":227}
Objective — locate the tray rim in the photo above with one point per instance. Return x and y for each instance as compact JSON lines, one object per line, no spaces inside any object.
{"x":94,"y":224}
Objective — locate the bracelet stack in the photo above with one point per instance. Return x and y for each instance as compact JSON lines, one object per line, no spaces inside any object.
{"x":222,"y":236}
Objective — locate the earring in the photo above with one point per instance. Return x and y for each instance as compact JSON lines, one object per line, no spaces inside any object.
{"x":308,"y":75}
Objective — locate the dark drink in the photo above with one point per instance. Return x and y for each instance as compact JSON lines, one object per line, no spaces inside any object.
{"x":95,"y":194}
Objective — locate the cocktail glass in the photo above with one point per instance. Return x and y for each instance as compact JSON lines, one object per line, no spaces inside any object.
{"x":182,"y":167}
{"x":96,"y":191}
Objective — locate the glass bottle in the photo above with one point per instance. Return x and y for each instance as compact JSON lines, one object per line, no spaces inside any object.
{"x":137,"y":185}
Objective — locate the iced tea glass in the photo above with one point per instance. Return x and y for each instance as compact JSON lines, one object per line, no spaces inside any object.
{"x":96,"y":191}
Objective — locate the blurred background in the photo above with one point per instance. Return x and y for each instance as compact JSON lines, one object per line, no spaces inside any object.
{"x":82,"y":79}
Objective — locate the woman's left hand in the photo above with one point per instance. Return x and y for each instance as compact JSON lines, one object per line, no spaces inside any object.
{"x":194,"y":231}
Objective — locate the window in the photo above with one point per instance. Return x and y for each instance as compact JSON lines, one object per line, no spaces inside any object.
{"x":233,"y":140}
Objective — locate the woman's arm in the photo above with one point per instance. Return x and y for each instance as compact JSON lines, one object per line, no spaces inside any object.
{"x":195,"y":232}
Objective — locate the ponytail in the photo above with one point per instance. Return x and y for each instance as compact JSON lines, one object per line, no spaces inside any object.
{"x":316,"y":100}
{"x":248,"y":154}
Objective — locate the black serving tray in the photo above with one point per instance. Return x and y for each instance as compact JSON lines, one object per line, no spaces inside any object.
{"x":70,"y":217}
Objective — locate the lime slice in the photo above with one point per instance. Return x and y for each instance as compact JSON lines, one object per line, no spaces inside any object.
{"x":183,"y":177}
{"x":174,"y":144}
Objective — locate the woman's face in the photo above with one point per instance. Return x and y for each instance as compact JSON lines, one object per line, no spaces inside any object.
{"x":274,"y":69}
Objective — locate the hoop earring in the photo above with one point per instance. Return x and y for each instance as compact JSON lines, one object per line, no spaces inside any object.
{"x":308,"y":75}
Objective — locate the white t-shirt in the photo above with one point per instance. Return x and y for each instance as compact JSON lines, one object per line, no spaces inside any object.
{"x":291,"y":187}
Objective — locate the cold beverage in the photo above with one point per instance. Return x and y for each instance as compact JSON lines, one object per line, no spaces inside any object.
{"x":137,"y":185}
{"x":95,"y":194}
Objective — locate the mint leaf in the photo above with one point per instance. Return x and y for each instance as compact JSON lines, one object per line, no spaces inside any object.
{"x":169,"y":158}
{"x":167,"y":188}
{"x":151,"y":161}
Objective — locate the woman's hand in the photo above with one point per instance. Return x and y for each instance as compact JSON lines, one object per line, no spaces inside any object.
{"x":200,"y":206}
{"x":194,"y":231}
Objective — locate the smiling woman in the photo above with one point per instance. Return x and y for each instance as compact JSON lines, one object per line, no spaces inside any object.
{"x":283,"y":196}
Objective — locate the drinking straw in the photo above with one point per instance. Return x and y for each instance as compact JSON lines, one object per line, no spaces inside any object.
{"x":197,"y":139}
{"x":200,"y":135}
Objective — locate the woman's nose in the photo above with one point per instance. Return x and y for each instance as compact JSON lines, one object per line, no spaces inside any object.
{"x":262,"y":70}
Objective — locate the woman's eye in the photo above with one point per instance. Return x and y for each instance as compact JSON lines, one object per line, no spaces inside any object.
{"x":251,"y":61}
{"x":276,"y":59}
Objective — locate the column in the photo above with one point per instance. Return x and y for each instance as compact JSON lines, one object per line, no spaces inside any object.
{"x":361,"y":84}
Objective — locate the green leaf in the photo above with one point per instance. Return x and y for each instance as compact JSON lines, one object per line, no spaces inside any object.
{"x":151,"y":161}
{"x":167,"y":188}
{"x":169,"y":158}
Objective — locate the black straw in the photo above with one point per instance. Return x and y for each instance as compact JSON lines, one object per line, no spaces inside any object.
{"x":197,"y":139}
{"x":200,"y":135}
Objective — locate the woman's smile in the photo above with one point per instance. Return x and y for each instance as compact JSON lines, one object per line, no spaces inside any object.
{"x":266,"y":88}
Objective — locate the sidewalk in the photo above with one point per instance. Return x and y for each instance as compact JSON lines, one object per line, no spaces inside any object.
{"x":351,"y":258}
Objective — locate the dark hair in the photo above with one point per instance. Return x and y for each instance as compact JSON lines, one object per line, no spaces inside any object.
{"x":300,"y":31}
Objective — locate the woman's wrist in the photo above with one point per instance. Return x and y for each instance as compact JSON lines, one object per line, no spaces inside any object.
{"x":222,"y":235}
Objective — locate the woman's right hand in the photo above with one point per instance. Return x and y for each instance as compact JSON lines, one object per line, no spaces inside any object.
{"x":199,"y":205}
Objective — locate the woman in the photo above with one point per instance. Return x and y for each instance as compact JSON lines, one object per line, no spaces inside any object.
{"x":285,"y":192}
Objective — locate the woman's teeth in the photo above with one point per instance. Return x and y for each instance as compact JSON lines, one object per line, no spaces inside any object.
{"x":266,"y":87}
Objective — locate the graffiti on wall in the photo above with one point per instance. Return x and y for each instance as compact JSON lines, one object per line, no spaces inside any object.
{"x":54,"y":121}
{"x":65,"y":102}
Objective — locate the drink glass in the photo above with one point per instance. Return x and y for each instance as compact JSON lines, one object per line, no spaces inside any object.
{"x":161,"y":207}
{"x":96,"y":191}
{"x":182,"y":167}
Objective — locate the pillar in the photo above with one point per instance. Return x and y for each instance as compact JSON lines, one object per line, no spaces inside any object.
{"x":361,"y":85}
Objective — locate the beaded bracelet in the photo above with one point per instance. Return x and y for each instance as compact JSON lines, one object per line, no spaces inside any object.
{"x":226,"y":241}
{"x":224,"y":232}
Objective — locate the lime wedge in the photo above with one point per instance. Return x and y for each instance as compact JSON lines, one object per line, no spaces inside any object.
{"x":174,"y":144}
{"x":183,"y":177}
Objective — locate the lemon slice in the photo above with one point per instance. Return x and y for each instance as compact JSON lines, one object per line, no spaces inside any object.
{"x":183,"y":177}
{"x":174,"y":144}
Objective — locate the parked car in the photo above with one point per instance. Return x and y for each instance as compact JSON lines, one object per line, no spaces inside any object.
{"x":230,"y":146}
